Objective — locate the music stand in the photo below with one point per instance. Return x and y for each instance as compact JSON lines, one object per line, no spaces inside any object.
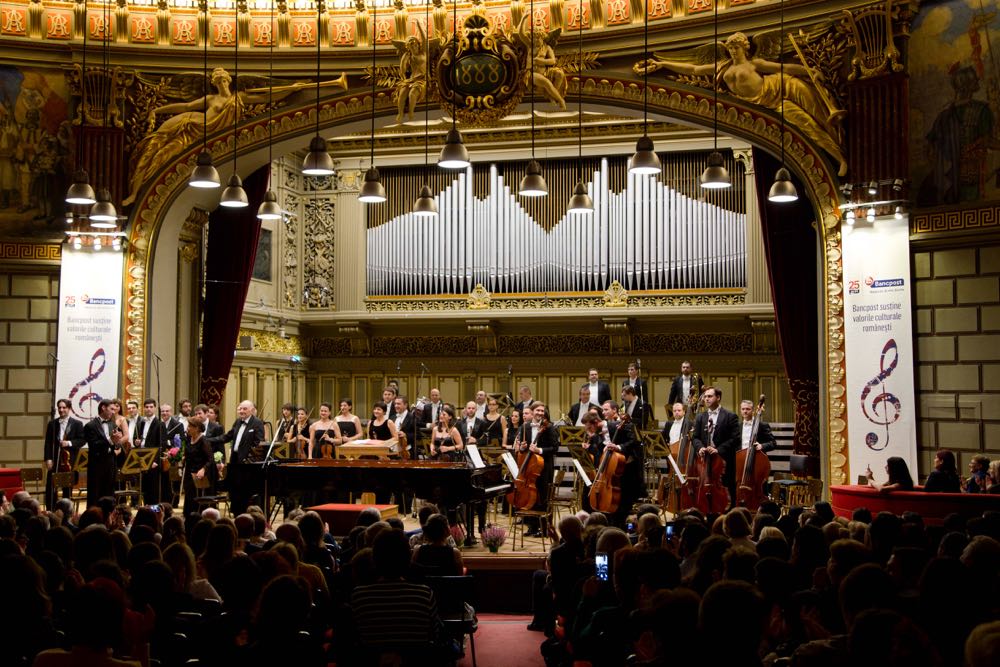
{"x":82,"y":459}
{"x":137,"y":461}
{"x":655,"y":447}
{"x":572,"y":435}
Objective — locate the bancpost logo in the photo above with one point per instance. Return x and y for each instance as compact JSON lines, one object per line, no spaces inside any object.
{"x":883,"y":282}
{"x":97,"y":301}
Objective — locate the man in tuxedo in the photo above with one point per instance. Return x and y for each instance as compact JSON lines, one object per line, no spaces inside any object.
{"x":209,"y":414}
{"x":150,"y":432}
{"x":389,"y":394}
{"x":132,"y":416}
{"x":406,"y":420}
{"x":580,"y":409}
{"x":184,"y":413}
{"x":641,"y":389}
{"x":480,"y":401}
{"x":63,"y":434}
{"x":717,"y":431}
{"x":543,"y":440}
{"x":172,"y":426}
{"x":636,"y":410}
{"x":524,"y":401}
{"x":764,"y":441}
{"x":622,"y":438}
{"x":432,"y":409}
{"x":246,"y":433}
{"x":470,"y":427}
{"x":600,"y":392}
{"x":680,"y":388}
{"x":104,"y":442}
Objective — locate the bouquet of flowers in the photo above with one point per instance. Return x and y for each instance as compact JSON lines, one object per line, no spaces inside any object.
{"x":175,"y":454}
{"x":493,"y":537}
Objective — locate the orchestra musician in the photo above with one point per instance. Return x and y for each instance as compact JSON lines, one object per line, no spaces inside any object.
{"x":764,"y":442}
{"x":677,"y":425}
{"x":680,"y":388}
{"x":63,"y":439}
{"x":323,"y":433}
{"x":151,"y":433}
{"x":634,"y":407}
{"x":599,"y":389}
{"x":246,"y":433}
{"x":298,"y":435}
{"x":381,"y":428}
{"x":470,"y":426}
{"x":121,"y":423}
{"x":406,"y":421}
{"x":446,"y":441}
{"x":641,"y":389}
{"x":347,"y":425}
{"x":133,"y":418}
{"x":198,"y":463}
{"x":104,"y":442}
{"x":431,"y":409}
{"x":717,"y":430}
{"x":580,"y":409}
{"x":210,"y":415}
{"x":389,"y":393}
{"x":524,"y":400}
{"x":541,"y":438}
{"x":480,"y":402}
{"x":494,"y":425}
{"x":286,"y":421}
{"x":513,"y":430}
{"x":621,"y":436}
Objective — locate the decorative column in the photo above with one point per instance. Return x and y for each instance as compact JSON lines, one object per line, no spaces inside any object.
{"x":350,"y":247}
{"x":188,"y":253}
{"x":758,"y":285}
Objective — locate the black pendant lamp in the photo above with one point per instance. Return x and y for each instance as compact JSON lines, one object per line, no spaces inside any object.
{"x":716,"y":176}
{"x":318,"y":161}
{"x":269,"y":208}
{"x":205,"y":174}
{"x":103,"y":214}
{"x":372,"y":191}
{"x":533,"y":184}
{"x":782,"y":190}
{"x":234,"y":196}
{"x":454,"y":154}
{"x":426,"y":206}
{"x":644,"y":161}
{"x":580,"y":202}
{"x":80,"y":192}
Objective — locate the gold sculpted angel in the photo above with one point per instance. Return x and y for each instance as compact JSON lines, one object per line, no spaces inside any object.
{"x":189,"y":120}
{"x":412,"y":86}
{"x":759,"y":81}
{"x":548,"y":77}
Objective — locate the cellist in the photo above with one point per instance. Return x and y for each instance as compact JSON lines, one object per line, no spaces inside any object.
{"x":764,"y":442}
{"x":621,"y":436}
{"x":725,"y":435}
{"x":541,"y":438}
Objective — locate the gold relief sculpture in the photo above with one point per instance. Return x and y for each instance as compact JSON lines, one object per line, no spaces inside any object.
{"x":329,"y":347}
{"x":411,"y":89}
{"x":549,"y":77}
{"x":270,"y":342}
{"x":870,"y":32}
{"x":571,"y":344}
{"x":615,"y":296}
{"x":680,"y":343}
{"x":754,"y":79}
{"x":415,"y":346}
{"x":479,"y":298}
{"x":209,"y":113}
{"x":500,"y":302}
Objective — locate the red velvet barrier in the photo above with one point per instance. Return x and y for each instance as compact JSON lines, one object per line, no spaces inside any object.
{"x":232,"y":248}
{"x":933,"y":507}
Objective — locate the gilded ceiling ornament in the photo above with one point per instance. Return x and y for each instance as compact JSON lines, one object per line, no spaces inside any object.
{"x":479,"y":298}
{"x":757,"y":80}
{"x":411,"y":89}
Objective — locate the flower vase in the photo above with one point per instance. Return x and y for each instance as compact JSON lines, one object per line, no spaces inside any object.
{"x":494,"y":548}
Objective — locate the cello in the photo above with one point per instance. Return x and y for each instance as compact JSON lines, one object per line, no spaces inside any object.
{"x":754,"y":467}
{"x":530,"y":467}
{"x":713,"y":496}
{"x":685,"y":495}
{"x":606,"y":491}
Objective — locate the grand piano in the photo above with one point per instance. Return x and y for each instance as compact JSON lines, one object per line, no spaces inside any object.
{"x":444,"y":483}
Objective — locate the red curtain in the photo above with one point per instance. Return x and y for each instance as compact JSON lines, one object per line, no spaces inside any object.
{"x":791,"y":251}
{"x":232,"y":247}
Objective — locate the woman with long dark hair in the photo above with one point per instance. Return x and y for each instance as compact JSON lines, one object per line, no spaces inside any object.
{"x":944,"y":478}
{"x":899,"y":476}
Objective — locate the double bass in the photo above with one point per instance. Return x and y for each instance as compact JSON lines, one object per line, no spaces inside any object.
{"x":713,"y":496}
{"x":530,"y":467}
{"x":685,"y":495}
{"x":606,"y":491}
{"x":754,"y":467}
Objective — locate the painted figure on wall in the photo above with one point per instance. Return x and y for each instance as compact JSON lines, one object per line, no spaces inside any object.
{"x":954,"y":105}
{"x":35,"y":151}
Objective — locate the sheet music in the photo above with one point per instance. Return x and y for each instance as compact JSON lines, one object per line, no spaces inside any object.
{"x":511,"y":464}
{"x":475,"y":456}
{"x":582,"y":473}
{"x":677,"y":471}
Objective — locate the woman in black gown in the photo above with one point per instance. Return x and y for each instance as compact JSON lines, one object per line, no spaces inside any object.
{"x":198,"y":465}
{"x":381,"y":428}
{"x":347,"y":425}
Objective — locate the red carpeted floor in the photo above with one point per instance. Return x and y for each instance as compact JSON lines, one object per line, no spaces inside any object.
{"x":503,"y":640}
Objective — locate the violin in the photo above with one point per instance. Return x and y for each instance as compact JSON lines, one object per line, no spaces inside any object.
{"x":755,"y":467}
{"x":326,"y":446}
{"x":713,"y":496}
{"x":530,"y":467}
{"x":606,"y":491}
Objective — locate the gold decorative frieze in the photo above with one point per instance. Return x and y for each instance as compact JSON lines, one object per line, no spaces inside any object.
{"x":571,"y":344}
{"x":548,"y":301}
{"x":615,"y":296}
{"x":966,"y":219}
{"x":416,"y":346}
{"x":330,"y":347}
{"x":30,"y":252}
{"x":479,"y":298}
{"x":694,"y":342}
{"x":268,"y":341}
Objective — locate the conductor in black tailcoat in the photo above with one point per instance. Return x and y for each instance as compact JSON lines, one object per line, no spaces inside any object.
{"x":246,"y":434}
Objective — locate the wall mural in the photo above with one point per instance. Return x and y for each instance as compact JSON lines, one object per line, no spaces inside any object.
{"x":954,"y":103}
{"x":36,"y":152}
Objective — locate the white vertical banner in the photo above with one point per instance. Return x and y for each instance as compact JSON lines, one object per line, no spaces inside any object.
{"x":878,"y":340}
{"x":90,"y":322}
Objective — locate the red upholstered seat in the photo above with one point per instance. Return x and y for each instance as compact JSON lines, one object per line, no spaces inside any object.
{"x":10,"y":481}
{"x":343,"y":516}
{"x":933,"y":507}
